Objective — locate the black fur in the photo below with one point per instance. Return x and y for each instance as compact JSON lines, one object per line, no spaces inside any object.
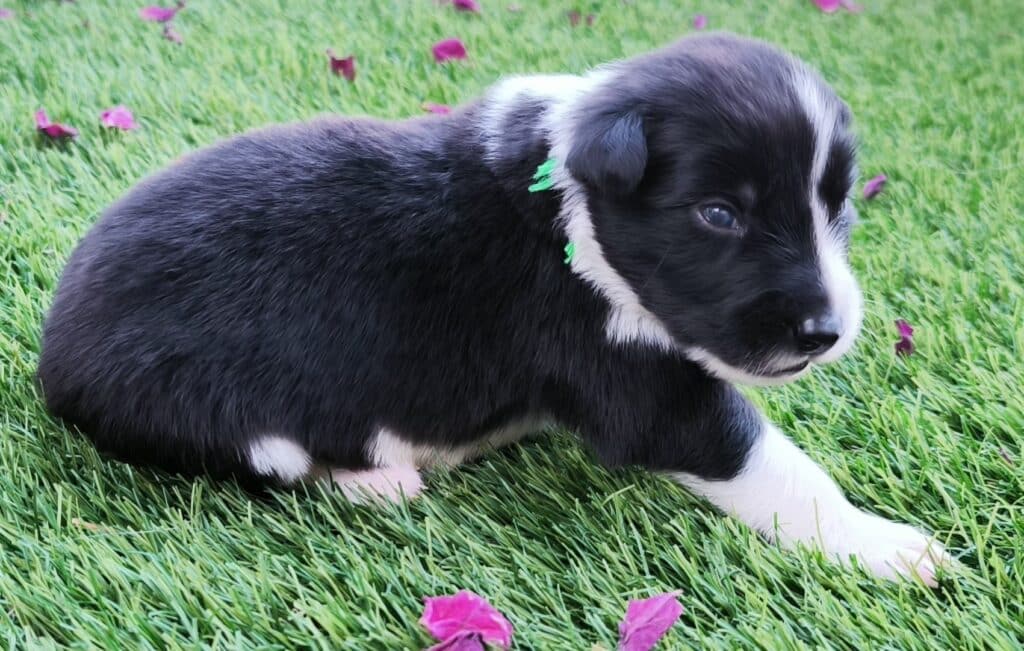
{"x":324,"y":280}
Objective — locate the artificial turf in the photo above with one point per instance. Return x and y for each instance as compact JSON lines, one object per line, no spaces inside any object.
{"x":95,"y":554}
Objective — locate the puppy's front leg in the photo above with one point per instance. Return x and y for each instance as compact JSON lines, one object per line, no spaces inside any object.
{"x":783,"y":494}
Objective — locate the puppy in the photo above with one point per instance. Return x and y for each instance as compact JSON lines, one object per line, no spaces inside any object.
{"x":359,"y":299}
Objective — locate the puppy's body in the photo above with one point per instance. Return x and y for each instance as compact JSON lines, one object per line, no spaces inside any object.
{"x":368,"y":298}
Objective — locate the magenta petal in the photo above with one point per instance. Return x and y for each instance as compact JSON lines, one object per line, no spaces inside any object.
{"x":52,"y":129}
{"x":700,"y":21}
{"x":874,"y":186}
{"x":904,"y":328}
{"x":647,"y":621}
{"x":118,"y":117}
{"x":344,"y":66}
{"x":574,"y":17}
{"x":160,"y":14}
{"x":905,"y":346}
{"x":6,"y":14}
{"x":466,"y":5}
{"x":449,"y":48}
{"x":465,"y":612}
{"x":464,"y":641}
{"x":828,"y":6}
{"x":439,"y":109}
{"x":591,"y":19}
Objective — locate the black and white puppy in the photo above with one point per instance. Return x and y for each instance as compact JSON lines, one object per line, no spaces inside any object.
{"x":361,"y":299}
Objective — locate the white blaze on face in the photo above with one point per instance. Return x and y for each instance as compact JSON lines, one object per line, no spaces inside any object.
{"x":840,"y":286}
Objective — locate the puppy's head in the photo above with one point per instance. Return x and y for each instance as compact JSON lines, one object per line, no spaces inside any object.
{"x":717,"y":173}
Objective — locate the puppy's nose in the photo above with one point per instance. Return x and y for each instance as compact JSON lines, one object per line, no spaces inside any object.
{"x":817,"y":334}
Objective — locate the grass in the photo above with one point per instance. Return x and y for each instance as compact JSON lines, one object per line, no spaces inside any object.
{"x":94,"y":554}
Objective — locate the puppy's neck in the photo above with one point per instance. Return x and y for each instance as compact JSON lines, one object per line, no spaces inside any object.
{"x":525,"y":121}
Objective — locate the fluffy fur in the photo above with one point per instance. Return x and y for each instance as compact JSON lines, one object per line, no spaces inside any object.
{"x":355,"y":299}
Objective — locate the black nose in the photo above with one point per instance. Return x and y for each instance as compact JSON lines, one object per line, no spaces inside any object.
{"x":817,"y":334}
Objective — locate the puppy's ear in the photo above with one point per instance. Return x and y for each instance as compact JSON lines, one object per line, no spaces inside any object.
{"x":609,"y":152}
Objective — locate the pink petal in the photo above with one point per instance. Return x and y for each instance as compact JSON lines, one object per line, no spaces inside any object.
{"x":6,"y":14}
{"x":466,"y":5}
{"x":118,"y":117}
{"x":874,"y":186}
{"x":828,"y":6}
{"x":172,"y":35}
{"x":574,"y":17}
{"x":449,"y":48}
{"x":439,"y":109}
{"x":53,"y":130}
{"x":647,"y":621}
{"x":591,"y":19}
{"x":464,"y":641}
{"x":160,"y":14}
{"x":904,"y":328}
{"x":345,"y":66}
{"x":465,"y":612}
{"x":700,"y":21}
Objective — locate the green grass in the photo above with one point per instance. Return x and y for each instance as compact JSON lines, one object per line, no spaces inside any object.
{"x":555,"y":542}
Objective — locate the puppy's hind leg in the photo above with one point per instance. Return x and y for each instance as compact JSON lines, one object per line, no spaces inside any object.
{"x":388,"y":484}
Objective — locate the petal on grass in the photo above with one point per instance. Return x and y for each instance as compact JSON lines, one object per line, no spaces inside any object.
{"x":448,"y":49}
{"x":465,"y":612}
{"x":6,"y":14}
{"x":873,"y":187}
{"x":51,"y":129}
{"x":828,"y":6}
{"x":160,"y":14}
{"x":466,"y":5}
{"x":905,"y":345}
{"x":172,"y":35}
{"x":465,"y":641}
{"x":700,"y":21}
{"x":118,"y":117}
{"x":344,"y":66}
{"x":438,"y":109}
{"x":647,"y":621}
{"x":574,"y":17}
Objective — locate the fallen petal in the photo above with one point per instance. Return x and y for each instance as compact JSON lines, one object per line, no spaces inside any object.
{"x":6,"y":14}
{"x":574,"y":17}
{"x":904,"y":329}
{"x":465,"y":612}
{"x":905,"y":346}
{"x":449,"y":48}
{"x":118,"y":117}
{"x":591,"y":19}
{"x":828,"y":6}
{"x":465,"y":641}
{"x":172,"y":35}
{"x":439,"y":109}
{"x":160,"y":14}
{"x":52,"y":129}
{"x":344,"y":66}
{"x":647,"y":621}
{"x":875,"y":186}
{"x":466,"y":5}
{"x":700,"y":21}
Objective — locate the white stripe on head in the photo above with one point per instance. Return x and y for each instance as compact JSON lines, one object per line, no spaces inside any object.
{"x":629,"y":320}
{"x":840,"y":286}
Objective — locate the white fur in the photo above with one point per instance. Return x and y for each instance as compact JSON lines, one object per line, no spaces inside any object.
{"x":387,"y":449}
{"x":279,"y":457}
{"x":629,"y":321}
{"x":842,"y":290}
{"x":783,"y":494}
{"x":387,"y":484}
{"x":724,"y":371}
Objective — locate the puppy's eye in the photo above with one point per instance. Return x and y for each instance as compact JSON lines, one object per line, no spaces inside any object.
{"x":720,"y":216}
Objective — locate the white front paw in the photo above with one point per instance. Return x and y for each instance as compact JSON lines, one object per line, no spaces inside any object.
{"x":887,"y":549}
